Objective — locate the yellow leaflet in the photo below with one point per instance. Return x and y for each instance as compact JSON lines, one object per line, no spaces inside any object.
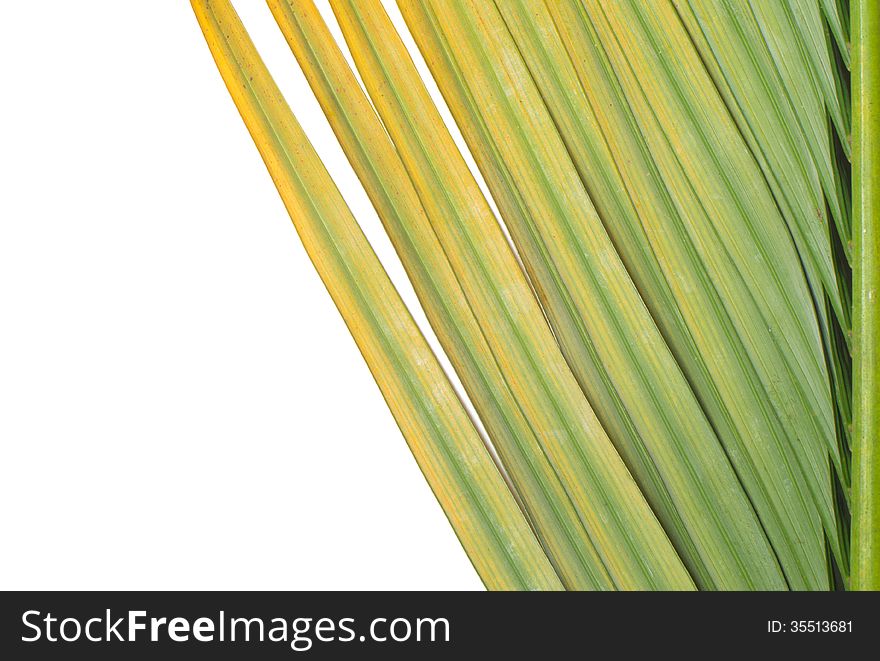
{"x":459,"y":469}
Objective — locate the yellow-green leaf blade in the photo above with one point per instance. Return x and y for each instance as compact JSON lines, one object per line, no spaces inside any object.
{"x":447,"y":447}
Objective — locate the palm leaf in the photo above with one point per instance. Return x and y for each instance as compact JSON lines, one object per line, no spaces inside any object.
{"x":662,"y":359}
{"x":443,"y":439}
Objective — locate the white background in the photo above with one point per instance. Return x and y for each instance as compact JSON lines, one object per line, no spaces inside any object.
{"x":181,"y":406}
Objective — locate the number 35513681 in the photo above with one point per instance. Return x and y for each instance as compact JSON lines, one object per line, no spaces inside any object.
{"x":809,"y":626}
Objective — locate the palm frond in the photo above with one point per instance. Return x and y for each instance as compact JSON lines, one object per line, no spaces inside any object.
{"x":446,"y":445}
{"x":663,"y":359}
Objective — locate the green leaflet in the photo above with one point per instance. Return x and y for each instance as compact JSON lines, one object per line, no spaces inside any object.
{"x":443,"y":439}
{"x":668,"y":241}
{"x":609,"y":338}
{"x":796,"y":34}
{"x":787,"y":136}
{"x":760,"y":56}
{"x":837,"y":17}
